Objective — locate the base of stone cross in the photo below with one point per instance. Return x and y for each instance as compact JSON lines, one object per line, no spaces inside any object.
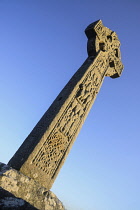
{"x":21,"y":192}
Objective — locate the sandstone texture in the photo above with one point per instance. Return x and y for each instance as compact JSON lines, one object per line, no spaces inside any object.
{"x":25,"y":190}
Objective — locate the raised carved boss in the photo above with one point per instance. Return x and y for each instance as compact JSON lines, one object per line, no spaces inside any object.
{"x":102,"y":38}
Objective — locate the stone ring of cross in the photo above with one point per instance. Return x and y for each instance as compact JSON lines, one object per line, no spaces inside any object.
{"x":101,"y":38}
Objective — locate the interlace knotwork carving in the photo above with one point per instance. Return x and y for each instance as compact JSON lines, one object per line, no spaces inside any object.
{"x":51,"y":152}
{"x":54,"y":147}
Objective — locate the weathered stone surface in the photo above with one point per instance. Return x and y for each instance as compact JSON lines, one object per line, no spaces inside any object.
{"x":9,"y":202}
{"x":26,"y":188}
{"x":44,"y":151}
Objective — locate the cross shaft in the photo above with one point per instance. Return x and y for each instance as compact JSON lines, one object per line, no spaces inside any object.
{"x":44,"y":151}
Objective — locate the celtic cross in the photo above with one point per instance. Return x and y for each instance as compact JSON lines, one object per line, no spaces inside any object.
{"x":44,"y":151}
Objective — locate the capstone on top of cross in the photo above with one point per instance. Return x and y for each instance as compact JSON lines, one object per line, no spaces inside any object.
{"x":101,"y":38}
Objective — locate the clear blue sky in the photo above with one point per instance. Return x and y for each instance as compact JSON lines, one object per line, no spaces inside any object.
{"x":42,"y":44}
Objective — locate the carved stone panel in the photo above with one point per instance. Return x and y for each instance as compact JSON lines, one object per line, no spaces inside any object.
{"x":47,"y":158}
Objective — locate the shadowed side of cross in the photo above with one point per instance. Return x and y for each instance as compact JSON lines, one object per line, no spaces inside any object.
{"x":102,"y":38}
{"x":44,"y":151}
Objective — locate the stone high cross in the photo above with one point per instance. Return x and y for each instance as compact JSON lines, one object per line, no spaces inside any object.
{"x":44,"y":151}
